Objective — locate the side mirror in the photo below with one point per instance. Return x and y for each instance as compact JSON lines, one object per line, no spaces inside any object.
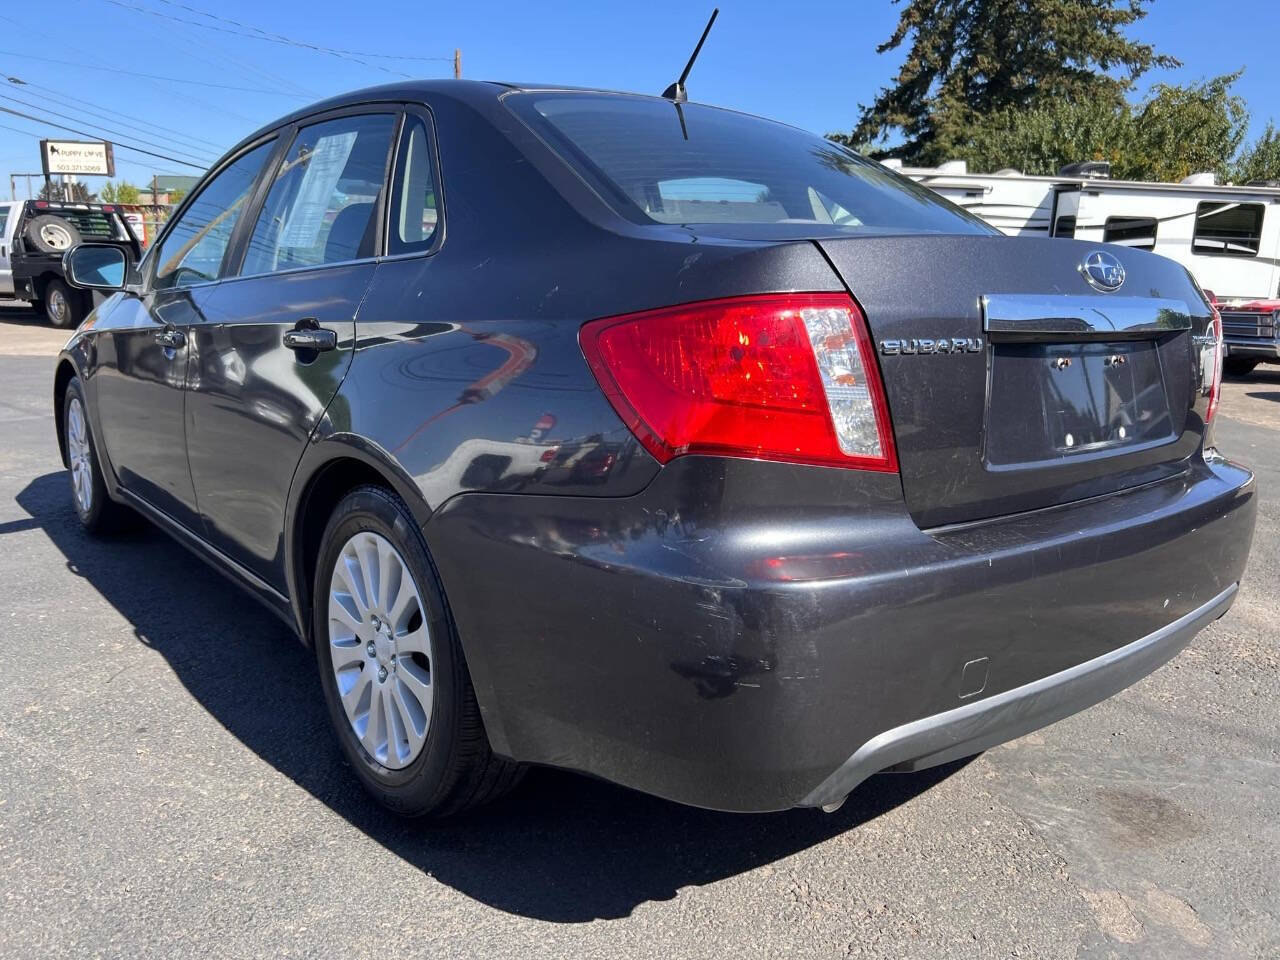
{"x":95,"y":266}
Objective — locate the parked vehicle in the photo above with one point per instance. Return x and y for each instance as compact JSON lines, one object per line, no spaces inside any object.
{"x":8,"y":225}
{"x":1251,"y":330}
{"x":656,"y":441}
{"x":44,"y":230}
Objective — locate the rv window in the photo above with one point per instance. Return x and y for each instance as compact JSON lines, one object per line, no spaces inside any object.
{"x":1233,"y":229}
{"x":1064,"y":227}
{"x":1136,"y":232}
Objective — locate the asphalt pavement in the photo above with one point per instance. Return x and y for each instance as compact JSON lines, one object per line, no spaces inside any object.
{"x":168,"y":787}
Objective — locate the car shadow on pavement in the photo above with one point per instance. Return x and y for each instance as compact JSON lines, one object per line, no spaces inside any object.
{"x":561,"y":847}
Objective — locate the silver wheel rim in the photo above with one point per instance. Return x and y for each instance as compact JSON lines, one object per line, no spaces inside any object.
{"x":58,"y":306}
{"x":78,"y":455}
{"x":380,"y":649}
{"x":55,"y":236}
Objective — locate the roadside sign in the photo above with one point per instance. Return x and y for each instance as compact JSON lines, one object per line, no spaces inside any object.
{"x":138,"y":223}
{"x":90,"y":157}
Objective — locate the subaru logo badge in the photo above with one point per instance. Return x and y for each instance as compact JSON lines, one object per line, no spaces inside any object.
{"x":1103,"y":271}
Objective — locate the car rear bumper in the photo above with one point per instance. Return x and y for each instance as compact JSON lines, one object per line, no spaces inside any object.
{"x":709,"y":641}
{"x":972,"y":728}
{"x":1269,"y":349}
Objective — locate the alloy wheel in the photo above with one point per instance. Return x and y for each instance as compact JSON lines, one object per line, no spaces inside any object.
{"x":380,"y":649}
{"x":78,"y":454}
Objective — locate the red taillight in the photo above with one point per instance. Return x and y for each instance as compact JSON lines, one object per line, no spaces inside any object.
{"x":1213,"y":361}
{"x":774,"y":377}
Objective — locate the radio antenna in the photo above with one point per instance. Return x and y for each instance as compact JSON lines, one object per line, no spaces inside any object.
{"x":676,"y":91}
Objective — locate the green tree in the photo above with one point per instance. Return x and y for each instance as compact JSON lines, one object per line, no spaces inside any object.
{"x":56,"y":191}
{"x":1173,"y":132}
{"x":1261,"y":161}
{"x":175,"y":197}
{"x":1041,"y":140}
{"x":969,"y":60}
{"x":1183,"y":130}
{"x":122,"y":192}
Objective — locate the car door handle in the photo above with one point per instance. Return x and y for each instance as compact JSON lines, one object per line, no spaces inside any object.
{"x":171,"y":338}
{"x":311,"y":338}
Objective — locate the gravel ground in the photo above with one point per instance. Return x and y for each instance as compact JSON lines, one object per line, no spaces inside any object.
{"x":168,"y":788}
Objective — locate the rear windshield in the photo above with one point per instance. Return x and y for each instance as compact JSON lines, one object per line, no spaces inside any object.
{"x":702,"y":164}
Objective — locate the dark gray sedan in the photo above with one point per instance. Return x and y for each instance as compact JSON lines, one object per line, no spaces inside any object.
{"x":655,"y":441}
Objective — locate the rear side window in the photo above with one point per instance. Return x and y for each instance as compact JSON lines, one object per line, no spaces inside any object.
{"x":193,"y":249}
{"x":1136,"y":232}
{"x":700,"y":164}
{"x":322,"y":206}
{"x":1233,"y":229}
{"x":415,"y":216}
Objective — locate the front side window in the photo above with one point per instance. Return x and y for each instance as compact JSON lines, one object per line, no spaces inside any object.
{"x":193,"y":249}
{"x":700,"y":164}
{"x":415,"y":205}
{"x":1233,"y":229}
{"x":1136,"y":232}
{"x":322,"y":207}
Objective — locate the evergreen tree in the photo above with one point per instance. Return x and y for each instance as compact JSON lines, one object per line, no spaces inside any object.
{"x":969,"y":60}
{"x":55,"y":191}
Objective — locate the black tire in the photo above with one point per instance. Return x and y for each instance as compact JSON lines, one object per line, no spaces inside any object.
{"x":455,"y":769}
{"x":100,"y":515}
{"x":50,"y":234}
{"x":63,"y":307}
{"x":1238,"y":366}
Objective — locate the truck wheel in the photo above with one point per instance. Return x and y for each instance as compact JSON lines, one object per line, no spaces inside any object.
{"x":50,"y":234}
{"x":62,"y":306}
{"x":1238,"y":366}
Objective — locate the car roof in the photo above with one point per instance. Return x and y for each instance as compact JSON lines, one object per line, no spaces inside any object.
{"x":474,"y":92}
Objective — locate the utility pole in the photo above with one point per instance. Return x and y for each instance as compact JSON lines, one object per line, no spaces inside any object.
{"x":457,"y":63}
{"x":13,"y":184}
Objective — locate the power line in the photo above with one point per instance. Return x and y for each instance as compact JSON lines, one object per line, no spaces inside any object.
{"x":61,"y":42}
{"x":150,"y":76}
{"x":115,"y":143}
{"x":352,"y":56}
{"x":207,"y":160}
{"x":278,"y":38}
{"x":200,"y":144}
{"x":200,"y":48}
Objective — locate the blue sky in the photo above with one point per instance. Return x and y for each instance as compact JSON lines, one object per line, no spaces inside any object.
{"x":808,"y":63}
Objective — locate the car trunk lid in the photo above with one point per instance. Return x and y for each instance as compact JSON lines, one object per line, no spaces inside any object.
{"x":1014,"y":383}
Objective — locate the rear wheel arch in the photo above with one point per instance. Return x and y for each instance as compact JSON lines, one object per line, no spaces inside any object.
{"x":321,"y":488}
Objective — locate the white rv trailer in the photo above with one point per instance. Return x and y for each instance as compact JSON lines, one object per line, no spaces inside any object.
{"x":1227,"y":236}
